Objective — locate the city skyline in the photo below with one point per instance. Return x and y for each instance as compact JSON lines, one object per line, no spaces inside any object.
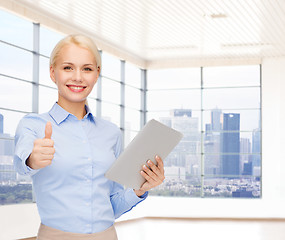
{"x":224,"y":152}
{"x":229,"y":169}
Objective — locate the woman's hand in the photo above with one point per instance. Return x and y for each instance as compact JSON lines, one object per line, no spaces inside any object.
{"x":43,"y":150}
{"x":154,"y":175}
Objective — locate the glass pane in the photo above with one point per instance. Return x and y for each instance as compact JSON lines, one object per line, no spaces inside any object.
{"x":240,"y":187}
{"x":111,"y":112}
{"x":157,"y":115}
{"x":132,"y":75}
{"x":47,"y":98}
{"x":111,"y":91}
{"x":132,"y":97}
{"x":180,"y":182}
{"x":173,"y":99}
{"x":9,"y":121}
{"x":231,"y":76}
{"x":184,"y":120}
{"x":15,"y":94}
{"x":111,"y":67}
{"x":93,"y":93}
{"x":48,"y":40}
{"x":174,"y":78}
{"x":13,"y":188}
{"x":44,"y":72}
{"x":245,"y":164}
{"x":248,"y":120}
{"x":228,"y":142}
{"x":231,"y":98}
{"x":132,"y":119}
{"x":190,"y":162}
{"x":16,"y":30}
{"x":92,"y":105}
{"x":11,"y":193}
{"x":232,"y":142}
{"x":16,"y":62}
{"x":129,"y":136}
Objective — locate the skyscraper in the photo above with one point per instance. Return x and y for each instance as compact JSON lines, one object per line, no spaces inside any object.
{"x":212,"y":143}
{"x":216,"y":119}
{"x":231,"y":144}
{"x":182,"y":112}
{"x":256,"y":158}
{"x":245,"y":157}
{"x":186,"y":152}
{"x":1,"y":123}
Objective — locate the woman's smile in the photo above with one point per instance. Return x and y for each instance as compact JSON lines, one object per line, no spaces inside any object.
{"x":76,"y":88}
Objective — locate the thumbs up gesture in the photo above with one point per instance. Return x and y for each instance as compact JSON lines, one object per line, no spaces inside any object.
{"x":43,"y":150}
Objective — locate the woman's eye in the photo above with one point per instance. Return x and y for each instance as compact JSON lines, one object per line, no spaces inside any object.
{"x":87,"y":69}
{"x":67,"y":68}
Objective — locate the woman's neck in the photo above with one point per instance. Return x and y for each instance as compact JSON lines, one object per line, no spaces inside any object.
{"x":77,"y":109}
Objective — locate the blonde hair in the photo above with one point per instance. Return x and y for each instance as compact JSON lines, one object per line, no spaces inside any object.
{"x":79,"y":40}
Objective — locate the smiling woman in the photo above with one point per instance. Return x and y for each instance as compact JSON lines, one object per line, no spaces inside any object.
{"x":67,"y":150}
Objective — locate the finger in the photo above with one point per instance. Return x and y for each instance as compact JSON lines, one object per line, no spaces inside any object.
{"x":146,"y":177}
{"x":153,"y":167}
{"x":150,"y":173}
{"x":45,"y":163}
{"x":159,"y":161}
{"x":46,"y":142}
{"x":47,"y":158}
{"x":47,"y":150}
{"x":158,"y":171}
{"x":48,"y":130}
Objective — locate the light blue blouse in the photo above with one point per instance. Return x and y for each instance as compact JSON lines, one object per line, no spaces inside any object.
{"x":72,"y":193}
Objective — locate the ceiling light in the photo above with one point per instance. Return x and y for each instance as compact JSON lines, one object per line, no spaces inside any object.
{"x":218,"y":15}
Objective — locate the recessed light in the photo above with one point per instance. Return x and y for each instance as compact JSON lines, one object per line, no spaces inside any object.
{"x":218,"y":15}
{"x":253,"y":44}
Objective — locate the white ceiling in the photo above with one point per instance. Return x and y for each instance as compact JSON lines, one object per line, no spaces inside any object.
{"x":165,"y":32}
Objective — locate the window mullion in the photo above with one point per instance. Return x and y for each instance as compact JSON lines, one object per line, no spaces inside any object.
{"x":36,"y":66}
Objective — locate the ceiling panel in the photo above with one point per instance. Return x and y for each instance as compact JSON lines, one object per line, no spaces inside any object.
{"x":174,"y":30}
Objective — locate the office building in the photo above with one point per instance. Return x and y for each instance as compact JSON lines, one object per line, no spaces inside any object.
{"x":231,"y":145}
{"x":1,"y":123}
{"x":256,"y":143}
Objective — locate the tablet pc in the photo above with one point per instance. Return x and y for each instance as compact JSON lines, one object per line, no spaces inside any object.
{"x":154,"y":139}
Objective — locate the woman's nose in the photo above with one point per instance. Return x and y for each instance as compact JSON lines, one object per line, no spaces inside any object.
{"x":77,"y":75}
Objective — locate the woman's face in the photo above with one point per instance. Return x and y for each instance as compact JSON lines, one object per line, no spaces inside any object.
{"x":75,"y":74}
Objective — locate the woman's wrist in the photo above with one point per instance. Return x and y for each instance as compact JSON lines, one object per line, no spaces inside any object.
{"x":139,"y":193}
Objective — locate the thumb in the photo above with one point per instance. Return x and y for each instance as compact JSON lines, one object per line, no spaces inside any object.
{"x":48,"y":130}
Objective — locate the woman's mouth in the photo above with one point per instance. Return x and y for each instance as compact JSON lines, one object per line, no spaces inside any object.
{"x":75,"y":88}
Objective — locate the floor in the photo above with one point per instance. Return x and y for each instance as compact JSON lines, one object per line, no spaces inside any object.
{"x":200,"y":229}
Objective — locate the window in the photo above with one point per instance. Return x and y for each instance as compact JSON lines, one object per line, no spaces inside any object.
{"x":111,"y":88}
{"x":232,"y":131}
{"x":217,"y":109}
{"x":16,"y":31}
{"x":16,"y":63}
{"x":133,"y":96}
{"x":17,"y":94}
{"x":219,"y":115}
{"x":48,"y":39}
{"x":16,"y":76}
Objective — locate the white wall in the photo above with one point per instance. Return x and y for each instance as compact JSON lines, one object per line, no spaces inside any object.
{"x":19,"y":221}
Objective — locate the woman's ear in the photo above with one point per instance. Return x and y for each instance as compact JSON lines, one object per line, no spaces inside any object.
{"x":52,"y":75}
{"x":98,"y":73}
